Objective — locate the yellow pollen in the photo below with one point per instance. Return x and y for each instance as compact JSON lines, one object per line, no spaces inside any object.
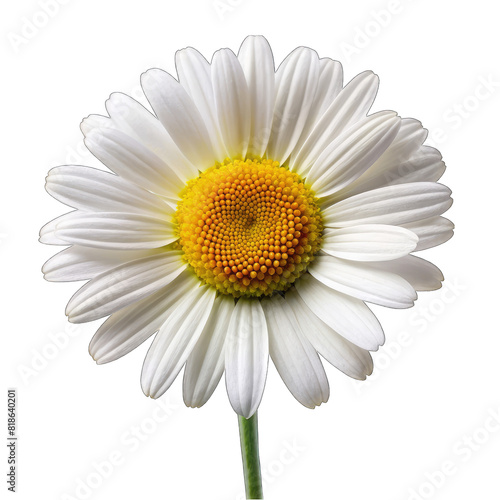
{"x":248,"y":227}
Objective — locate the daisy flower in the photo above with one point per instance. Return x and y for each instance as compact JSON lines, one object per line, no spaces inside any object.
{"x":252,"y":213}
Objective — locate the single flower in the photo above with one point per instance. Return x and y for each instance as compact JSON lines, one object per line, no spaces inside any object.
{"x":253,"y":214}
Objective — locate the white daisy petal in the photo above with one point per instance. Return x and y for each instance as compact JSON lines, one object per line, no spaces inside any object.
{"x":390,"y":205}
{"x":136,"y":121}
{"x":352,"y":153}
{"x":195,"y":76}
{"x":179,"y":115}
{"x":330,"y":82}
{"x":232,"y":102}
{"x":369,"y":242}
{"x":363,"y":281}
{"x":129,"y":327}
{"x":350,"y":106}
{"x":296,"y":83}
{"x":83,"y":263}
{"x":48,"y":232}
{"x":92,"y":123}
{"x":421,"y":274}
{"x":128,"y":158}
{"x":95,"y":122}
{"x":114,"y":230}
{"x":329,"y":85}
{"x":205,"y":365}
{"x":123,"y":285}
{"x":247,"y":353}
{"x":348,"y":316}
{"x":295,"y":358}
{"x":90,"y":189}
{"x":407,"y":142}
{"x":256,"y":59}
{"x":175,"y":341}
{"x":431,"y":232}
{"x":425,"y":165}
{"x":347,"y":357}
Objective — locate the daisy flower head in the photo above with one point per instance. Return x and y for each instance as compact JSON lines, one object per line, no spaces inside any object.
{"x":250,"y":213}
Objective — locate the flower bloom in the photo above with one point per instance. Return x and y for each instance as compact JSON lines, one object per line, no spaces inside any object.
{"x":253,"y":214}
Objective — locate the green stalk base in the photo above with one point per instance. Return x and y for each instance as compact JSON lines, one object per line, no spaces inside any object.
{"x":249,"y":439}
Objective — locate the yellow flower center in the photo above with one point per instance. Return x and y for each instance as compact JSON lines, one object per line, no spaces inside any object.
{"x":248,"y":227}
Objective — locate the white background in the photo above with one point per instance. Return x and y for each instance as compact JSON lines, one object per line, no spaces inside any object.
{"x":434,"y":394}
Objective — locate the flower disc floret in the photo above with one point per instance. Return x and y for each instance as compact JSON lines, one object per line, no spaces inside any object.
{"x":249,"y":227}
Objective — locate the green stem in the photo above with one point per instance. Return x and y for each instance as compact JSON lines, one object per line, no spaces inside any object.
{"x":249,"y":439}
